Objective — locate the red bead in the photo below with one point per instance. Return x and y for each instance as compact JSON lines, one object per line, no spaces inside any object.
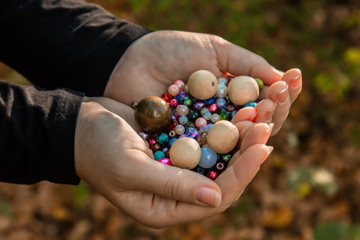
{"x":213,"y":175}
{"x":213,"y":107}
{"x":167,"y":97}
{"x":173,"y":102}
{"x":152,"y":141}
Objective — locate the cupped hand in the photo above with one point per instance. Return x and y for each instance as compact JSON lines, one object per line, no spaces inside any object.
{"x":157,"y":59}
{"x":116,"y":162}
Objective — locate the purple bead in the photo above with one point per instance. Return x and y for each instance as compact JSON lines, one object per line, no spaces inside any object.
{"x":192,"y":132}
{"x":181,"y":95}
{"x":198,"y":105}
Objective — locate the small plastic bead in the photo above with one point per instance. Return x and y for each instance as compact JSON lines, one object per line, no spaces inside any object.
{"x":221,"y":91}
{"x":222,"y":81}
{"x":213,"y":175}
{"x":221,"y":102}
{"x":167,"y":97}
{"x":187,"y":101}
{"x":208,"y":157}
{"x":250,"y":104}
{"x":173,"y":102}
{"x":173,"y":90}
{"x":212,"y":107}
{"x":179,"y":129}
{"x":200,"y":122}
{"x":215,"y":117}
{"x":207,"y":115}
{"x":152,"y":141}
{"x":198,"y":105}
{"x":182,"y":110}
{"x":162,"y":138}
{"x":183,"y":120}
{"x":180,"y":84}
{"x":158,"y":155}
{"x":165,"y":161}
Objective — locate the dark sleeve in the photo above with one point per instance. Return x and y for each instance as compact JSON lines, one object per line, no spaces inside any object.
{"x":63,"y":44}
{"x":37,"y":130}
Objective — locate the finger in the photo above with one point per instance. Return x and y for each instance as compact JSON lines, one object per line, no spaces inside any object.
{"x":245,"y":114}
{"x":257,"y":134}
{"x":293,"y":78}
{"x":265,"y":110}
{"x":279,"y":93}
{"x":235,"y":178}
{"x":240,"y":61}
{"x":177,"y":184}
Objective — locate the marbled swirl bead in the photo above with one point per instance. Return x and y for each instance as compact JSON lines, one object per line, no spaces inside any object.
{"x":215,"y":117}
{"x":221,"y":91}
{"x":182,"y":110}
{"x":179,"y":129}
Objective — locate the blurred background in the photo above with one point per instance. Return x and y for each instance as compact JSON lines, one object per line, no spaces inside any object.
{"x":310,"y":186}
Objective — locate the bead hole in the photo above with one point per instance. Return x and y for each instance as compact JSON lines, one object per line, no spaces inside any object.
{"x":213,"y":84}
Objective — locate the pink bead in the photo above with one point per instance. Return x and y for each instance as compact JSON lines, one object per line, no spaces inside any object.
{"x":173,"y":90}
{"x":173,"y":102}
{"x":213,"y":107}
{"x":165,"y":161}
{"x":152,"y":141}
{"x":200,"y":122}
{"x":180,"y":84}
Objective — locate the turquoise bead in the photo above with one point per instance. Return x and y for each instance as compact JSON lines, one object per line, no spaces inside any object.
{"x":250,"y":104}
{"x":208,"y":157}
{"x":162,"y":138}
{"x":158,"y":155}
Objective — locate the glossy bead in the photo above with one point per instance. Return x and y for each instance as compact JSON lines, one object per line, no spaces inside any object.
{"x":226,"y":157}
{"x":158,"y":155}
{"x":212,"y":107}
{"x":171,"y":141}
{"x":224,"y":115}
{"x":179,"y":129}
{"x":222,"y":91}
{"x":222,"y":81}
{"x":167,"y":97}
{"x":162,"y":138}
{"x":202,"y":138}
{"x":189,"y":125}
{"x":173,"y":90}
{"x":198,"y":105}
{"x":181,"y":95}
{"x":182,"y":110}
{"x":230,"y":107}
{"x":152,"y":141}
{"x":207,"y":115}
{"x":152,"y":114}
{"x":202,"y":84}
{"x":221,"y":102}
{"x":260,"y":83}
{"x":173,"y":102}
{"x":220,"y":166}
{"x":193,"y":115}
{"x":180,"y":84}
{"x":172,"y":133}
{"x":233,"y":113}
{"x":185,"y":153}
{"x":212,"y":175}
{"x":250,"y":104}
{"x":223,"y":136}
{"x":209,"y":101}
{"x":187,"y":101}
{"x":165,"y":161}
{"x":200,"y":122}
{"x":243,"y":89}
{"x":215,"y":117}
{"x":191,"y":132}
{"x":183,"y":120}
{"x":208,"y":157}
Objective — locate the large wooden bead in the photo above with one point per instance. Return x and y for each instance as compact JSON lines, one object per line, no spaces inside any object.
{"x":185,"y":153}
{"x":202,"y":84}
{"x":223,"y":137}
{"x":153,"y":114}
{"x":243,"y":89}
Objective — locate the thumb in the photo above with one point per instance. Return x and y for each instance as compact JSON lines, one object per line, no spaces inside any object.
{"x":177,"y":184}
{"x":240,"y":61}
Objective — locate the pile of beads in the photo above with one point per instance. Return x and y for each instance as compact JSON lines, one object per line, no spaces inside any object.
{"x":189,"y":125}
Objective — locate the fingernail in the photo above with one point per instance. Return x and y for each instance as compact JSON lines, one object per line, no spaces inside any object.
{"x":269,"y":151}
{"x":208,"y":196}
{"x":282,"y":96}
{"x":267,"y":133}
{"x":295,"y":82}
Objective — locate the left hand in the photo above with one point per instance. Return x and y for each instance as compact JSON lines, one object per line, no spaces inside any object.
{"x":157,"y":59}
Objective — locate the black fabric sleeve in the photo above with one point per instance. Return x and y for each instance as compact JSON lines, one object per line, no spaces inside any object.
{"x":37,"y":130}
{"x":63,"y":44}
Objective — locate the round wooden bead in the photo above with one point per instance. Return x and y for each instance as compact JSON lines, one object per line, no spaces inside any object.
{"x":202,"y":84}
{"x":152,"y":114}
{"x":223,"y":136}
{"x":185,"y":153}
{"x":243,"y":89}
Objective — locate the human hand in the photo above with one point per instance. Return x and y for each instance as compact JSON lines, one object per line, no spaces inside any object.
{"x":116,"y":162}
{"x":155,"y":60}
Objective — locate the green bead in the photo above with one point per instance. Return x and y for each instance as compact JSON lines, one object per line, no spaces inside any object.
{"x":187,"y":101}
{"x":224,"y":115}
{"x":260,"y":83}
{"x":226,"y":157}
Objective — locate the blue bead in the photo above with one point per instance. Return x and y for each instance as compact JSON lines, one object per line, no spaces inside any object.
{"x":209,"y":101}
{"x":171,"y":141}
{"x":208,"y":157}
{"x":250,"y":104}
{"x":162,"y":138}
{"x":221,"y":102}
{"x":158,"y":155}
{"x":183,"y":120}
